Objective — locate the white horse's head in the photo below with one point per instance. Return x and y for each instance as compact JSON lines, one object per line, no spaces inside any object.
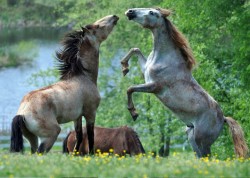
{"x":148,"y":17}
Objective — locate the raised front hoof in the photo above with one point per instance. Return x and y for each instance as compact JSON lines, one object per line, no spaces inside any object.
{"x":133,"y":112}
{"x":134,"y":116}
{"x":125,"y":71}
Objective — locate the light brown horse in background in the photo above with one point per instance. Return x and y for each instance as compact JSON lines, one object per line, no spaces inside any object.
{"x":75,"y":95}
{"x":123,"y":140}
{"x":167,"y":73}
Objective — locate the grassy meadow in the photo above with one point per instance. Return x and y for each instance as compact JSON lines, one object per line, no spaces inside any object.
{"x":178,"y":164}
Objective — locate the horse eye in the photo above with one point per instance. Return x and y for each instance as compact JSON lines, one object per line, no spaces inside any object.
{"x":151,"y":12}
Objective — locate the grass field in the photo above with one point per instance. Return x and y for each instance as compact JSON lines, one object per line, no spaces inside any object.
{"x":178,"y":164}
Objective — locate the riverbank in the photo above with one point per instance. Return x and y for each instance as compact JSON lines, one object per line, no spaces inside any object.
{"x":19,"y":46}
{"x":18,"y":15}
{"x":26,"y":14}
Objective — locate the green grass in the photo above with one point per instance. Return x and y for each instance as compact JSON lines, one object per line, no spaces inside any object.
{"x":55,"y":164}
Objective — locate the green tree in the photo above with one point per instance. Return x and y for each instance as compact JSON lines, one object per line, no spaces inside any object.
{"x":218,"y":32}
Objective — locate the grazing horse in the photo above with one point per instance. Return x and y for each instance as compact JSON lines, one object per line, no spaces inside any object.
{"x":73,"y":96}
{"x":123,"y":140}
{"x":167,"y":73}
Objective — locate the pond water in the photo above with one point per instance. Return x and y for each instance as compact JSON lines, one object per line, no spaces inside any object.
{"x":14,"y":81}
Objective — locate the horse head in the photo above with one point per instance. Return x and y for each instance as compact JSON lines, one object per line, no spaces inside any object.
{"x":99,"y":30}
{"x":81,"y":48}
{"x":148,"y":17}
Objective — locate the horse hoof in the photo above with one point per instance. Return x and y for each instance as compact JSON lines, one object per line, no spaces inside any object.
{"x":134,"y":116}
{"x":125,"y":71}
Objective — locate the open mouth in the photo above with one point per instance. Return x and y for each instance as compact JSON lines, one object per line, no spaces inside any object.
{"x":131,"y":16}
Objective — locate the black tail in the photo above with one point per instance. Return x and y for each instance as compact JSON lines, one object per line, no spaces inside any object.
{"x":16,"y":142}
{"x":65,"y":149}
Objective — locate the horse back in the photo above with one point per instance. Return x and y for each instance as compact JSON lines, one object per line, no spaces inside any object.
{"x":123,"y":140}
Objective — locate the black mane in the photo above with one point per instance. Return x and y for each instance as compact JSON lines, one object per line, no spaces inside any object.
{"x":69,"y":64}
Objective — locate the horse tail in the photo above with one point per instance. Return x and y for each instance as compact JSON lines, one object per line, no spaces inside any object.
{"x":65,"y":141}
{"x":16,"y":140}
{"x":134,"y":145}
{"x":240,"y":146}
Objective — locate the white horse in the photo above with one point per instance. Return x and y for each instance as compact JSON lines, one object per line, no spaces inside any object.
{"x":167,"y":73}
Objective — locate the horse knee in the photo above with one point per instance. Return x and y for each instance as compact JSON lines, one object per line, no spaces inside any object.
{"x":130,"y":90}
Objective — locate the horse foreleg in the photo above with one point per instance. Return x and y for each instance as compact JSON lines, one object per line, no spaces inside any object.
{"x":90,"y":133}
{"x":146,"y":88}
{"x":78,"y":129}
{"x":90,"y":123}
{"x":124,"y":61}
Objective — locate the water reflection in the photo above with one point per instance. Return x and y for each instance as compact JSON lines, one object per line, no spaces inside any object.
{"x":14,"y":81}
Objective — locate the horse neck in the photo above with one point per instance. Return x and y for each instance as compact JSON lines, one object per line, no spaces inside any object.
{"x":93,"y":70}
{"x":163,"y":44}
{"x":91,"y":64}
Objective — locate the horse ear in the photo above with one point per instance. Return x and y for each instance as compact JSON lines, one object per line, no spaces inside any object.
{"x":91,"y":26}
{"x":84,"y":29}
{"x":164,"y":12}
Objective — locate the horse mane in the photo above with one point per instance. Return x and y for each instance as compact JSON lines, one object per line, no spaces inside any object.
{"x":133,"y":138}
{"x":179,"y":39}
{"x":69,"y":63}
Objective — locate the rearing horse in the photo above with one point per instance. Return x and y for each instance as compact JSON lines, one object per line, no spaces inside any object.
{"x":167,"y":73}
{"x":75,"y":95}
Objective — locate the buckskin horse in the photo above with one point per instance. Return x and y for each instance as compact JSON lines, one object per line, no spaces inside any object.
{"x":123,"y":140}
{"x":168,"y":75}
{"x":73,"y":96}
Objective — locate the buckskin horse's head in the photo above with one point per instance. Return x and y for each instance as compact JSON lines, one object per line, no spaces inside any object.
{"x":100,"y":29}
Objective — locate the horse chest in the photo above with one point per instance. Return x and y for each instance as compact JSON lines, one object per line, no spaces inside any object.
{"x":154,"y":72}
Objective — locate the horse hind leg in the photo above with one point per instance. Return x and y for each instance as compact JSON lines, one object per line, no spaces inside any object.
{"x":191,"y":139}
{"x":33,"y":139}
{"x":206,"y":131}
{"x":48,"y":141}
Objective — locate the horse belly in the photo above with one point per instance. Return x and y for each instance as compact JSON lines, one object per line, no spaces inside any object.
{"x":70,"y":113}
{"x":183,"y":101}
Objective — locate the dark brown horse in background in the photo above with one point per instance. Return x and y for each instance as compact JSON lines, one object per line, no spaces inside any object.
{"x":75,"y":95}
{"x":123,"y":140}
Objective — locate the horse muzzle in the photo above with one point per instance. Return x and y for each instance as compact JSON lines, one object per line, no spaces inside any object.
{"x":116,"y":18}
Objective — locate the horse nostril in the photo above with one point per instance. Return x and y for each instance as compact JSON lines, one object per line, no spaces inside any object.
{"x":130,"y":11}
